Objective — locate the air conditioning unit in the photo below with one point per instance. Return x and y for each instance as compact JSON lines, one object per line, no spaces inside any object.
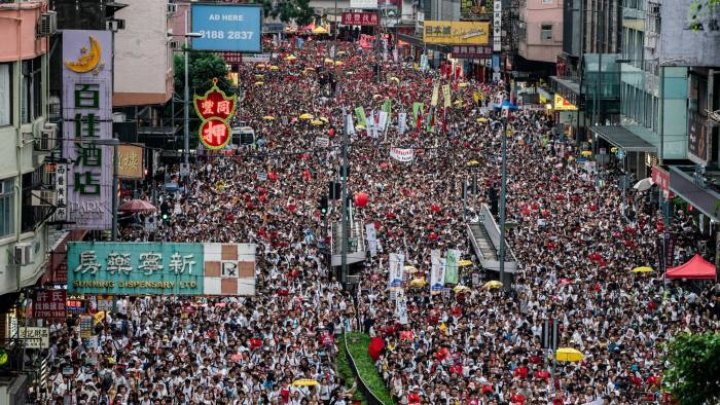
{"x":47,"y":25}
{"x":43,"y":198}
{"x":23,"y":254}
{"x":45,"y":140}
{"x":172,"y":8}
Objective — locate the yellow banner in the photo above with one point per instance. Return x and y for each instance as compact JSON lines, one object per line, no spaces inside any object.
{"x":130,"y":162}
{"x":457,"y":32}
{"x":434,"y":99}
{"x":563,"y":105}
{"x":447,"y":96}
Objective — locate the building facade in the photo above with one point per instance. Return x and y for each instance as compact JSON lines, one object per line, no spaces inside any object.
{"x":542,"y":23}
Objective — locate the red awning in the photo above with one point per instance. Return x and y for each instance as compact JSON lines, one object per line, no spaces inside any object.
{"x":696,"y":268}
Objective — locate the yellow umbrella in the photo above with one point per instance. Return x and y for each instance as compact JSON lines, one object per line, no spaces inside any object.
{"x":259,"y":77}
{"x":305,"y":382}
{"x":269,"y":118}
{"x":642,"y":269}
{"x":259,"y":83}
{"x":290,"y":57}
{"x":461,"y":288}
{"x":342,"y":53}
{"x":320,"y":30}
{"x":418,"y":283}
{"x":306,"y":116}
{"x":339,"y":63}
{"x":273,"y":67}
{"x":261,"y":66}
{"x":586,"y":153}
{"x":568,"y":354}
{"x":462,"y":85}
{"x":411,"y":269}
{"x":324,"y":119}
{"x":482,"y":119}
{"x":464,"y":263}
{"x":360,"y":126}
{"x":493,"y":284}
{"x":309,"y":69}
{"x":395,"y":79}
{"x":329,"y":61}
{"x":472,"y":163}
{"x":316,"y":123}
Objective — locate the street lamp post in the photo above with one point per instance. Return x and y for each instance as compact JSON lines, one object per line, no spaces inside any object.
{"x":343,"y":208}
{"x":114,"y":142}
{"x":505,"y":107}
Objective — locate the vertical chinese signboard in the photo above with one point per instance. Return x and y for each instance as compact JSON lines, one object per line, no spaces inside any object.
{"x":131,"y":162}
{"x":161,"y":268}
{"x":87,"y":119}
{"x":50,"y":304}
{"x":215,"y":109}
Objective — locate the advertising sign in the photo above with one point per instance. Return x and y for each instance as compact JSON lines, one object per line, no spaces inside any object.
{"x":364,"y":4}
{"x":161,"y":268}
{"x":61,"y":188}
{"x":360,"y":18}
{"x":497,"y":25}
{"x":87,"y":119}
{"x":561,"y":104}
{"x":215,"y":109}
{"x":227,"y":27}
{"x":131,"y":162}
{"x":471,"y":52}
{"x":688,"y":22}
{"x":35,"y":338}
{"x":50,"y":304}
{"x":456,"y":33}
{"x":698,"y":142}
{"x":662,"y":178}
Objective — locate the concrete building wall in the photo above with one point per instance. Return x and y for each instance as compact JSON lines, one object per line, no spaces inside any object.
{"x":143,"y":58}
{"x":543,"y":21}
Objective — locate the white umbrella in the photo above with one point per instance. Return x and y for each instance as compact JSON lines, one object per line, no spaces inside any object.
{"x":644,"y":184}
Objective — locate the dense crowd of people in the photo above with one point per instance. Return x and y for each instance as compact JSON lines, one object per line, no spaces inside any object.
{"x":575,"y":240}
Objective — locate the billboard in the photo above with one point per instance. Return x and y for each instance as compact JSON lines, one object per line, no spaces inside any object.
{"x":360,"y":18}
{"x":456,"y":33}
{"x":683,"y":23}
{"x":227,"y":27}
{"x":87,"y":119}
{"x":561,"y":104}
{"x":474,"y":9}
{"x":698,"y":139}
{"x":119,"y":268}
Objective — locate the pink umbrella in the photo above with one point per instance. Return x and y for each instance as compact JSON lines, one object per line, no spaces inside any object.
{"x":140,"y":206}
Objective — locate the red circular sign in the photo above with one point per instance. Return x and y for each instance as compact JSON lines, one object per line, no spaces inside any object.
{"x":214,"y":133}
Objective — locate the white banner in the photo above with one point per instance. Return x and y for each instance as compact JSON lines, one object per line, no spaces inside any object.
{"x":350,"y":125}
{"x":402,"y":122}
{"x":397,"y":269}
{"x":401,"y":308}
{"x":383,"y":120}
{"x":437,"y":272}
{"x":402,"y":155}
{"x":371,"y":237}
{"x":322,"y":141}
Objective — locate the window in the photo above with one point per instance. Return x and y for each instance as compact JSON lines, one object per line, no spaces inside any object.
{"x":31,"y":107}
{"x":5,"y":96}
{"x":547,"y":1}
{"x":546,"y":32}
{"x":31,"y":216}
{"x":7,"y":207}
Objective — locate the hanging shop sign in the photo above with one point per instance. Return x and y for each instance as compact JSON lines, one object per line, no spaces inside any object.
{"x":50,"y":304}
{"x":562,"y":104}
{"x":161,"y":268}
{"x":87,"y":121}
{"x":360,"y":18}
{"x":35,"y":338}
{"x":497,"y":25}
{"x":471,"y":52}
{"x":131,"y":162}
{"x":456,"y":33}
{"x":215,"y":109}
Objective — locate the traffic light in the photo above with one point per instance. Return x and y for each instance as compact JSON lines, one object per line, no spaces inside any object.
{"x":335,"y":190}
{"x":165,"y":211}
{"x":323,"y":205}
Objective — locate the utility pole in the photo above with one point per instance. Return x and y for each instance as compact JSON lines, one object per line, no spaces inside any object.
{"x":343,"y":207}
{"x":503,"y":192}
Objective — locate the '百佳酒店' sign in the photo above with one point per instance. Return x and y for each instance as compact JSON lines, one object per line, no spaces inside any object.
{"x":87,"y":121}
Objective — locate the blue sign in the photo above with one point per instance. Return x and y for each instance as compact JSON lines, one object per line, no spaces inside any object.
{"x":227,"y":27}
{"x":136,"y":268}
{"x":620,"y":154}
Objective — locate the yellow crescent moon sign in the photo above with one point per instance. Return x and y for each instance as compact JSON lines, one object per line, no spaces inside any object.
{"x":88,"y":60}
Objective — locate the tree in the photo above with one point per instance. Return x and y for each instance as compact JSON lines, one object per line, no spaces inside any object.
{"x":298,"y":11}
{"x":693,"y":372}
{"x":204,"y":66}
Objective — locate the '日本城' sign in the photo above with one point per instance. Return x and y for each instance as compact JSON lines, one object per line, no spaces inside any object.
{"x":87,"y":121}
{"x":215,"y":109}
{"x":161,"y":268}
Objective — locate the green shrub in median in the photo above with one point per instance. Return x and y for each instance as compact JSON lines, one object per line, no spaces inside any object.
{"x":358,"y":346}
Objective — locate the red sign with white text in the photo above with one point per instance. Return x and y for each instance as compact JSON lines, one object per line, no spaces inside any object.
{"x":214,"y":133}
{"x":360,"y":18}
{"x":50,"y":304}
{"x":215,"y":108}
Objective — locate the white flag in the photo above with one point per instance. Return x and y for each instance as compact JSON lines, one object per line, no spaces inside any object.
{"x":402,"y":124}
{"x":397,"y":270}
{"x":437,"y":272}
{"x":350,"y":125}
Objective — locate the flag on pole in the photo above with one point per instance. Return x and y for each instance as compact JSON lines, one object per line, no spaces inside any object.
{"x":417,"y":110}
{"x":434,"y":98}
{"x":447,"y":96}
{"x":387,"y":106}
{"x":360,"y":114}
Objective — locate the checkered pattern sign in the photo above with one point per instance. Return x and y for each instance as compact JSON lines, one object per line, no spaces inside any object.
{"x":229,"y":269}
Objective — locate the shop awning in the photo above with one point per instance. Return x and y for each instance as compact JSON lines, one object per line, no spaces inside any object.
{"x":566,"y":85}
{"x":623,"y":138}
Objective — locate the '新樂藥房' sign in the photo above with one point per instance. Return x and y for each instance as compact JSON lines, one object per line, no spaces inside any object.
{"x":87,"y":121}
{"x":227,"y":27}
{"x":161,"y":268}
